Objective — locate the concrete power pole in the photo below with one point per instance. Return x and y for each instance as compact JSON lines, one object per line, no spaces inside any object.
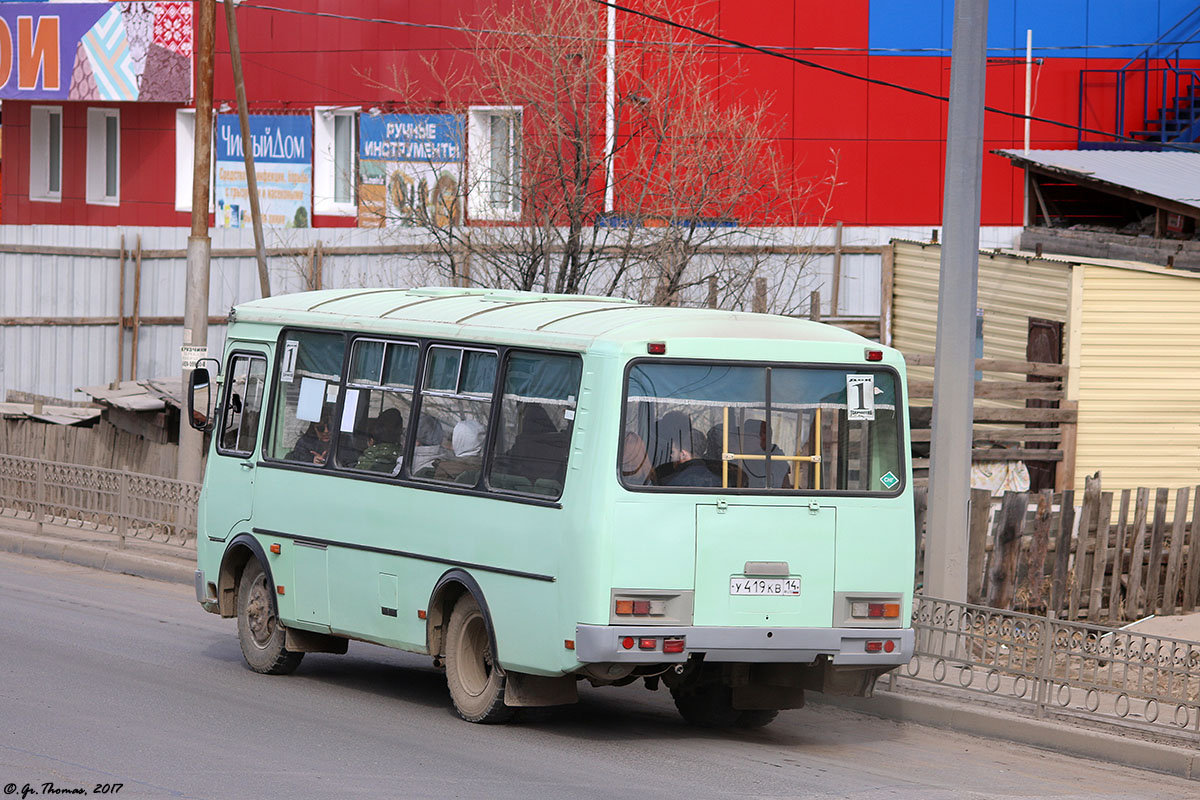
{"x":195,"y":303}
{"x":954,"y":372}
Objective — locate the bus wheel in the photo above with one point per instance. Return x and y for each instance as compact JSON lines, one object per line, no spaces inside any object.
{"x":259,"y":631}
{"x":476,"y":682}
{"x":755,"y":719}
{"x":709,"y":706}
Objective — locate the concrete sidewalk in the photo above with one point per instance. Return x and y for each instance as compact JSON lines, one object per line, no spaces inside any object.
{"x":99,"y":550}
{"x":158,"y":561}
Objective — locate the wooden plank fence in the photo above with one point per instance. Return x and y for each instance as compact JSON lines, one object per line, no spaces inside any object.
{"x":1114,"y":558}
{"x":1009,"y":429}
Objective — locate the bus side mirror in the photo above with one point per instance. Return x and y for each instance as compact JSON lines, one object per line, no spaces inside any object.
{"x":201,"y":396}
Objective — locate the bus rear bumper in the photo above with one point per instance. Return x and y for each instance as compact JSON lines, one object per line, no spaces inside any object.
{"x":843,"y":646}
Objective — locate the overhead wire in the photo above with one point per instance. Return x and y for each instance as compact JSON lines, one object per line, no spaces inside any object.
{"x":771,"y":51}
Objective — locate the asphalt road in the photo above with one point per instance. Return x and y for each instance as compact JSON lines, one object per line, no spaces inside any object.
{"x":109,"y":679}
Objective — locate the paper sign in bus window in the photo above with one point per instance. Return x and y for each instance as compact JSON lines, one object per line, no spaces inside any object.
{"x":349,"y":410}
{"x":287,"y":370}
{"x":312,"y":398}
{"x":860,"y":397}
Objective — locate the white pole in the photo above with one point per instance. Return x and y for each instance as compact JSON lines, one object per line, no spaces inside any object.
{"x":610,"y":107}
{"x":1028,"y":83}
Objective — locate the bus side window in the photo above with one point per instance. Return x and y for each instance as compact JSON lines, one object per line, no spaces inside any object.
{"x":377,"y":405}
{"x":537,"y":409}
{"x":303,"y":422}
{"x":456,"y":402}
{"x":243,"y":405}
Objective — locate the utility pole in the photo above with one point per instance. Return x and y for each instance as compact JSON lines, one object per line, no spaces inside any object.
{"x":954,"y":371}
{"x":239,"y":83}
{"x":199,"y":249}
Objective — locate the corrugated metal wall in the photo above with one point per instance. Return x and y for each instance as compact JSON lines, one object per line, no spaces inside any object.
{"x":1139,"y":378}
{"x":56,"y":360}
{"x":1011,"y":290}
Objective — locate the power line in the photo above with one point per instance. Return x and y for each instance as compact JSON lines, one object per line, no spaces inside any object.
{"x":249,"y":4}
{"x":876,"y":81}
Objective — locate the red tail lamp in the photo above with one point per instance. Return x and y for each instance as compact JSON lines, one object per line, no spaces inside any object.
{"x":657,"y":348}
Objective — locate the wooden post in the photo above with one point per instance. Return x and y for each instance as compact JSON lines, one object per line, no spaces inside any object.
{"x":887,"y":277}
{"x":1064,"y":475}
{"x":1036,"y":573}
{"x":137,"y":310}
{"x":977,"y":527}
{"x":1087,"y":518}
{"x":760,"y":295}
{"x":1100,"y":557}
{"x":1062,"y":551}
{"x":1114,"y":586}
{"x":814,"y":305}
{"x":835,"y":290}
{"x":121,"y":314}
{"x":1157,"y":535}
{"x":1006,"y":546}
{"x":1175,"y":559}
{"x":319,"y":267}
{"x":921,"y":505}
{"x":1133,"y":597}
{"x":712,"y":291}
{"x":1192,"y":584}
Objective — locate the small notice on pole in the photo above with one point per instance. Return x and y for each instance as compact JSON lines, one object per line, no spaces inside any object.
{"x":189,"y":355}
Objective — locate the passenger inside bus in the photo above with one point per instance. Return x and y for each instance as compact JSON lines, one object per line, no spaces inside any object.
{"x":686,"y":448}
{"x":313,"y":445}
{"x":754,"y":442}
{"x":635,"y":462}
{"x":540,"y":450}
{"x":385,"y":437}
{"x":467,"y":439}
{"x":429,"y":445}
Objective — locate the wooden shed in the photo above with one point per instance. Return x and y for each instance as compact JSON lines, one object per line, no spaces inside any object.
{"x":1088,"y":364}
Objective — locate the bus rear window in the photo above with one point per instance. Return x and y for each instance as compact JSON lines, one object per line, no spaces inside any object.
{"x":761,"y":429}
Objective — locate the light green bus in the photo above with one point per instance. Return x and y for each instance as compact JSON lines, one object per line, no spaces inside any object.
{"x":537,"y":490}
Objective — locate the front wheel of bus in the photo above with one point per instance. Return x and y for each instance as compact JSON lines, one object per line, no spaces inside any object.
{"x":476,"y":682}
{"x":259,"y":631}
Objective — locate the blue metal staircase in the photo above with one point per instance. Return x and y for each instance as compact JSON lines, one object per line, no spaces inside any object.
{"x":1169,"y":94}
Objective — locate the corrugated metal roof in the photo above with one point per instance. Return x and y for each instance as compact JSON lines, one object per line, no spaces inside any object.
{"x":1170,"y":176}
{"x":574,"y":320}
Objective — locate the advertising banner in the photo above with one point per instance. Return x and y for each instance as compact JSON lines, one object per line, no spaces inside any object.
{"x":411,"y":167}
{"x":96,"y":51}
{"x":282,"y":165}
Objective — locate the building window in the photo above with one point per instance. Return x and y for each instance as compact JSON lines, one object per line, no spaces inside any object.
{"x":103,"y":156}
{"x":494,"y":186}
{"x":185,"y":158}
{"x":45,"y":153}
{"x":335,"y":143}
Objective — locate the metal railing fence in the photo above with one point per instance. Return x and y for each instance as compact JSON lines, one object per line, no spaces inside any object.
{"x":125,"y":503}
{"x":1056,"y":668}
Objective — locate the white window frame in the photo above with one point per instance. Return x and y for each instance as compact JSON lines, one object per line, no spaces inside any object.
{"x":325,"y":161}
{"x":97,"y":157}
{"x":479,"y":168}
{"x":185,"y":153}
{"x":39,"y":153}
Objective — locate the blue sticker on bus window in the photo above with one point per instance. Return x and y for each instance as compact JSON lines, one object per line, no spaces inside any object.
{"x":888,"y":480}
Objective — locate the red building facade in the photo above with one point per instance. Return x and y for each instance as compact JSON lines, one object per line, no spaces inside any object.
{"x":826,"y":87}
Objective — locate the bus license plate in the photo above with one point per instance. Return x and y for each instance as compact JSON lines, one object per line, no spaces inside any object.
{"x":767,"y":586}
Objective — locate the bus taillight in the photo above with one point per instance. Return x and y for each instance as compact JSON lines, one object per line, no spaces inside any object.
{"x":673,"y":645}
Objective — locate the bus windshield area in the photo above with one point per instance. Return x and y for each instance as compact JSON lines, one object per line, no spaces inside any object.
{"x":766,"y":429}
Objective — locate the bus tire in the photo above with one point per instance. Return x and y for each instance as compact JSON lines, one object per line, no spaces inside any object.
{"x":758,"y":718}
{"x":259,"y":632}
{"x":476,"y":682}
{"x":707,"y":706}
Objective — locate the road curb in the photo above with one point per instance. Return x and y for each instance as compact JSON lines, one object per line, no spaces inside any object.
{"x":996,"y":724}
{"x":97,"y":556}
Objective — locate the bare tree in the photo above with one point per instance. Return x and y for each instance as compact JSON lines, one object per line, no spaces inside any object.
{"x":687,"y":169}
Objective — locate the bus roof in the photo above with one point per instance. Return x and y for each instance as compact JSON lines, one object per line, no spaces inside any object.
{"x":573,"y":321}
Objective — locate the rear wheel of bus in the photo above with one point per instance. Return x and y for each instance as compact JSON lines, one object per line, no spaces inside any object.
{"x":259,"y":632}
{"x":475,"y":680}
{"x":711,"y":706}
